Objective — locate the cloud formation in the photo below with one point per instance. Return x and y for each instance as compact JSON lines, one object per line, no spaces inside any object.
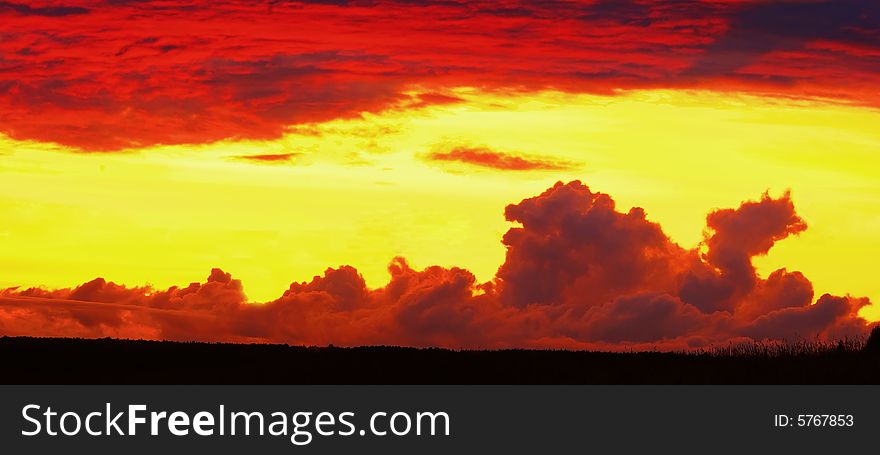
{"x":47,"y":11}
{"x":578,"y":274}
{"x":487,"y":158}
{"x":268,"y":158}
{"x":80,"y":74}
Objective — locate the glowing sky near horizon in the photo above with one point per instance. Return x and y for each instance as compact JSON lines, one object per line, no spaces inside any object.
{"x":360,"y":191}
{"x":162,"y":142}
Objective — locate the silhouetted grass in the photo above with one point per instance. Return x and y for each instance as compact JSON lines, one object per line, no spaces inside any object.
{"x":768,"y":349}
{"x":111,"y":361}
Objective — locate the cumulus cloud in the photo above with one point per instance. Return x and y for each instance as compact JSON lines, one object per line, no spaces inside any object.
{"x":574,"y":244}
{"x":727,"y":273}
{"x":578,"y":274}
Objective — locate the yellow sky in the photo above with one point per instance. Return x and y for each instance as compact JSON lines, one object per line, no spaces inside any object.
{"x":359,"y":191}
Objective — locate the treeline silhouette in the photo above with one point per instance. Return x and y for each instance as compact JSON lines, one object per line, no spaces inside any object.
{"x":113,"y":361}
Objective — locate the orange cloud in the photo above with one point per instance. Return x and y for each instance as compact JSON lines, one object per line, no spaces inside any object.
{"x":578,"y":274}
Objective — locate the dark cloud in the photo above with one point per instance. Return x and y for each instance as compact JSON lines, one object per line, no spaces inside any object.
{"x":829,"y":318}
{"x":46,"y":11}
{"x":628,"y":12}
{"x":759,"y":28}
{"x":578,"y":274}
{"x":647,"y":318}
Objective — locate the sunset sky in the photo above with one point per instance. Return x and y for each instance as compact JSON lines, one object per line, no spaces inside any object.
{"x":149,"y":142}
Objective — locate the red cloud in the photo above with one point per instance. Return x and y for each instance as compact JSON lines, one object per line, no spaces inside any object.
{"x":484,"y":157}
{"x":268,"y":158}
{"x":578,"y":274}
{"x":106,"y":75}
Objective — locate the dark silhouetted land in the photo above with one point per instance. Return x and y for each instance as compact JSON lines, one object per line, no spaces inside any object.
{"x":111,"y":361}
